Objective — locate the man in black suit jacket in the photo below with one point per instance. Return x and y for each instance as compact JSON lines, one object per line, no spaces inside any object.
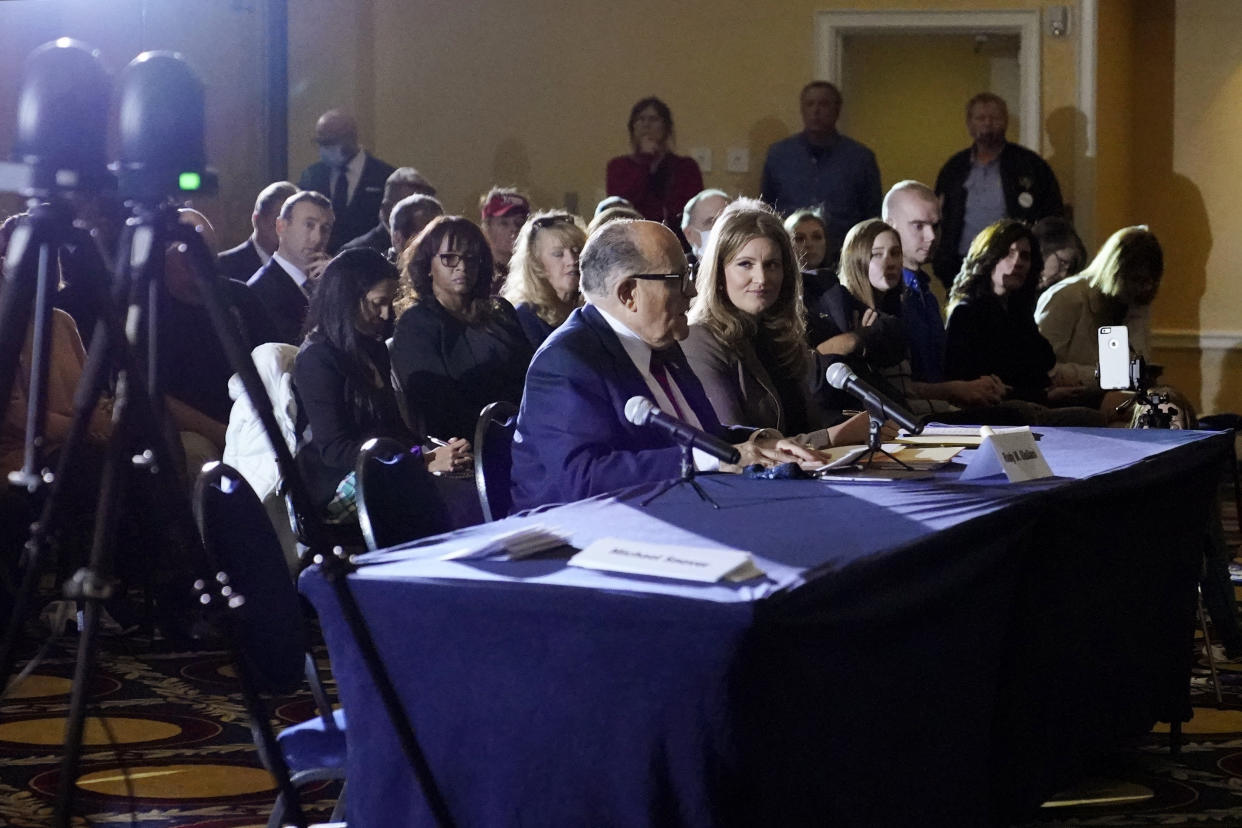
{"x":404,"y":182}
{"x":241,"y":262}
{"x":352,"y":179}
{"x":284,"y":284}
{"x":573,"y":439}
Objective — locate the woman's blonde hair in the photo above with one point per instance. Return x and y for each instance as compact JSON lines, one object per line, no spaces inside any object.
{"x":856,"y":259}
{"x":528,"y":278}
{"x":740,"y":222}
{"x":1127,"y":248}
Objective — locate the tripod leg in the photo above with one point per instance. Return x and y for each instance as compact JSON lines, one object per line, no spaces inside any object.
{"x":90,"y":584}
{"x":86,"y":397}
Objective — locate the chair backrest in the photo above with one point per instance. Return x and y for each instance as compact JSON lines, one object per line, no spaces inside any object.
{"x":493,"y":458}
{"x":397,"y":497}
{"x":241,"y":542}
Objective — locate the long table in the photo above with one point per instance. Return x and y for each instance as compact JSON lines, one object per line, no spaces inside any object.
{"x":931,"y":652}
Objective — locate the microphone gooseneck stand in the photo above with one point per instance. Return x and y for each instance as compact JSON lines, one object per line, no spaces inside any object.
{"x":875,"y":423}
{"x":686,"y":477}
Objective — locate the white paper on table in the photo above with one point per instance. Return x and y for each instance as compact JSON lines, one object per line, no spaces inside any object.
{"x":845,"y":457}
{"x":964,"y":436}
{"x":686,"y":563}
{"x":513,"y":546}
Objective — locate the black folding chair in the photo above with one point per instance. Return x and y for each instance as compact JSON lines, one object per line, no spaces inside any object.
{"x":267,"y":632}
{"x":396,"y":495}
{"x":493,"y":458}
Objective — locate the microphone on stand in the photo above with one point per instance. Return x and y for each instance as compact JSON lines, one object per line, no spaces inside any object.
{"x":643,"y":412}
{"x":840,"y":376}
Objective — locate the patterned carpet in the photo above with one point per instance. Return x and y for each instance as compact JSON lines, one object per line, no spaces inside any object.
{"x":166,"y":744}
{"x":168,"y":747}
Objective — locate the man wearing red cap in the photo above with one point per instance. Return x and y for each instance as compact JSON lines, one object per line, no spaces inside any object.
{"x":504,"y":210}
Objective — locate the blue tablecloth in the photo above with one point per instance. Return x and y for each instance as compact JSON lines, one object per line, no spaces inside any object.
{"x":919,"y":653}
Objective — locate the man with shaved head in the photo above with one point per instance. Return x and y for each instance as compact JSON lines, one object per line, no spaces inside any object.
{"x":573,"y":439}
{"x":351,"y":178}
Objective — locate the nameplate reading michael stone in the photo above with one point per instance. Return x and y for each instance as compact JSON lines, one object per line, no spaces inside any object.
{"x":687,"y":563}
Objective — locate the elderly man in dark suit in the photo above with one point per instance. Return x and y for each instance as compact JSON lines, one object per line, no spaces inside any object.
{"x":573,"y":439}
{"x":241,"y":262}
{"x":284,"y":284}
{"x":351,"y":178}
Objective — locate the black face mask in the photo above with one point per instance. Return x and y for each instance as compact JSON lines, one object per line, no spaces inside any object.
{"x":386,"y":328}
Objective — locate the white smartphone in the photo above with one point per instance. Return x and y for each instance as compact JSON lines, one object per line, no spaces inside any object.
{"x":1114,"y":342}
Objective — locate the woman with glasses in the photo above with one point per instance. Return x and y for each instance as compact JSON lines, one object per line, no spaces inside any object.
{"x":456,"y":347}
{"x":543,"y":275}
{"x":1064,"y":253}
{"x":343,"y":381}
{"x":747,"y":340}
{"x":654,"y":179}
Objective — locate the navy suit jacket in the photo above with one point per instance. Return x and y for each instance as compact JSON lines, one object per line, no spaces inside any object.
{"x":362,"y":212}
{"x":572,"y":438}
{"x":285,"y":302}
{"x":241,"y":262}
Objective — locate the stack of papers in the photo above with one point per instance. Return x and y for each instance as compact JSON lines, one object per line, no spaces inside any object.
{"x":921,"y":457}
{"x":965,"y":437}
{"x":512,"y":546}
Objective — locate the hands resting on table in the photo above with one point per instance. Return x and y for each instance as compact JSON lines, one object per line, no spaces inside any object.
{"x":767,"y":447}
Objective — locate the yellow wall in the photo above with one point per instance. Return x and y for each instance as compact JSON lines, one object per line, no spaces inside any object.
{"x":906,"y":94}
{"x":1170,"y":82}
{"x":537,"y":93}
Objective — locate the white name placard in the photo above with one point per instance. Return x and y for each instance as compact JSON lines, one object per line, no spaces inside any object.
{"x":686,"y":563}
{"x":1012,"y":452}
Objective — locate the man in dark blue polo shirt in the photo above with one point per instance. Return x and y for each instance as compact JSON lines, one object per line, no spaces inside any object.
{"x":820,"y":167}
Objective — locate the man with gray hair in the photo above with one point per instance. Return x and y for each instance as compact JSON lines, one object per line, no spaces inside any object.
{"x":990,"y":180}
{"x":241,"y":262}
{"x":698,"y":217}
{"x":404,"y":181}
{"x":573,"y":439}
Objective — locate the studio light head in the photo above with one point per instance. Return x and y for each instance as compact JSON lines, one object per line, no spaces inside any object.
{"x":161,"y":105}
{"x":62,"y":123}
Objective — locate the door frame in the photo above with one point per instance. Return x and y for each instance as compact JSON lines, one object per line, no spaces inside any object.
{"x":832,"y":27}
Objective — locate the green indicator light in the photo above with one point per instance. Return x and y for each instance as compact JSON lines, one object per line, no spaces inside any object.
{"x":190,"y":181}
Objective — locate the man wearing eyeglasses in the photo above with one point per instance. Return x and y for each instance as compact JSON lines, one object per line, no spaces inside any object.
{"x":573,"y":439}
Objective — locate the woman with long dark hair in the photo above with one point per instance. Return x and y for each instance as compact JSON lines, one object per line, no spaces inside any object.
{"x":343,"y":379}
{"x":652,"y":177}
{"x":457,"y":348}
{"x":991,"y":328}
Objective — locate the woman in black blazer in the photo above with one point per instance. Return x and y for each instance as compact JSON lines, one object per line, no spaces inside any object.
{"x":457,"y":348}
